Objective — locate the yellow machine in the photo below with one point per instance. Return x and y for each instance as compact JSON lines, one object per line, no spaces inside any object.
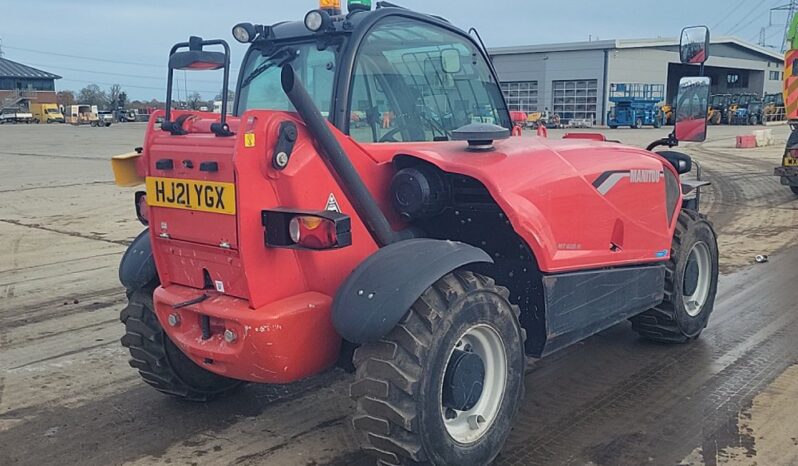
{"x":773,"y":107}
{"x":46,"y":113}
{"x":545,"y":118}
{"x":667,"y":113}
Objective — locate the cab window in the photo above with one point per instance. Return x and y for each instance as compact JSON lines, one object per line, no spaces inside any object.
{"x":263,"y":88}
{"x":419,"y":82}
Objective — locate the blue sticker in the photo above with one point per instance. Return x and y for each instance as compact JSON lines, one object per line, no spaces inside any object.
{"x":661,"y":254}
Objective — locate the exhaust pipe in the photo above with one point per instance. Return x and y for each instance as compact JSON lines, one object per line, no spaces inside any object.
{"x":333,"y":154}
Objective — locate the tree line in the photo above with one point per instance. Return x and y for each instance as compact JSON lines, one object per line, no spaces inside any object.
{"x":115,"y":98}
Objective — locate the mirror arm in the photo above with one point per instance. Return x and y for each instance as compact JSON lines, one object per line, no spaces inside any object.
{"x":221,"y":129}
{"x":167,"y":120}
{"x":669,"y":141}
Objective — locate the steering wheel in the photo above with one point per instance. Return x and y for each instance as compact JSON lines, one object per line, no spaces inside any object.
{"x":389,"y":136}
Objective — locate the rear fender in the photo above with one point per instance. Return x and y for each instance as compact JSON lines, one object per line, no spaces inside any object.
{"x":138,"y":264}
{"x":379,"y":292}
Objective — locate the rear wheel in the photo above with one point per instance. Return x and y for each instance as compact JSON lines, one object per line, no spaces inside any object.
{"x":443,"y":386}
{"x":159,"y":362}
{"x":794,"y":189}
{"x":691,"y":283}
{"x":638,"y":123}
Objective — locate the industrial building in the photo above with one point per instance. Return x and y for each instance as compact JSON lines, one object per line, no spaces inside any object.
{"x":574,"y":79}
{"x":21,"y":84}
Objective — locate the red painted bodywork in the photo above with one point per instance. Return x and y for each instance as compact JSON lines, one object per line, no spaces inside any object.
{"x":277,"y":301}
{"x":691,"y":129}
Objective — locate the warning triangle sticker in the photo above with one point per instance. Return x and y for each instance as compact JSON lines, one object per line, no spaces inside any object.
{"x":332,"y":204}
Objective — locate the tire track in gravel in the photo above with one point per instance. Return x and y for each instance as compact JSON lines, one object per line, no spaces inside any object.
{"x":74,"y":304}
{"x":752,"y":213}
{"x":75,"y":234}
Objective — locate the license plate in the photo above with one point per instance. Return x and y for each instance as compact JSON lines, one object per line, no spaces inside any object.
{"x":790,"y":162}
{"x":203,"y":196}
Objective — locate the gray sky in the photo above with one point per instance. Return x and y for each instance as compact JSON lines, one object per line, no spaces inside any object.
{"x":142,"y":31}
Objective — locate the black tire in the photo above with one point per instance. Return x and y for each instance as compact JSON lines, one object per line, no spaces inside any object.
{"x":670,"y":322}
{"x":794,"y":190}
{"x":613,"y":126}
{"x":638,"y":123}
{"x":399,"y":379}
{"x":159,"y":362}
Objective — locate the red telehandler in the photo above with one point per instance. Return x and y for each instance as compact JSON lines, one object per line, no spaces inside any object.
{"x":365,"y":201}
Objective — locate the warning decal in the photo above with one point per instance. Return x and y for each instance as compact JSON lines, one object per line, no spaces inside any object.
{"x":332,"y":204}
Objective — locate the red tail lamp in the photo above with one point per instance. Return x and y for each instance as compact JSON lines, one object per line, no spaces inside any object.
{"x":288,"y":228}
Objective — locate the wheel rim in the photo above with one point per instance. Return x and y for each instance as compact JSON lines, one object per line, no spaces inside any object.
{"x":468,"y":426}
{"x":697,"y":279}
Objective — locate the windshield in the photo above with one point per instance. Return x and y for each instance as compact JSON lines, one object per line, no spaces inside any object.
{"x":415,"y":81}
{"x":262,"y":88}
{"x":717,"y":100}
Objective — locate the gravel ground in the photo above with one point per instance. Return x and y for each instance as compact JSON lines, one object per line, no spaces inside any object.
{"x":67,"y":395}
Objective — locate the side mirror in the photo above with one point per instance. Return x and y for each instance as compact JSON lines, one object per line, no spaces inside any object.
{"x":694,"y":45}
{"x":692,"y":106}
{"x":450,"y":61}
{"x":197,"y":60}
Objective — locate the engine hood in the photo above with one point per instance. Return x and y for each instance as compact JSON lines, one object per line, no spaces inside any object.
{"x":552,"y":191}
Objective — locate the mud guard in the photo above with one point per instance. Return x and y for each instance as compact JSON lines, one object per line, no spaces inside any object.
{"x":138,"y":265}
{"x":380,"y":291}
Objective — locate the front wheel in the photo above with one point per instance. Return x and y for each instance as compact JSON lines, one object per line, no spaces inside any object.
{"x":443,"y":386}
{"x":691,"y":283}
{"x":159,"y":361}
{"x":794,"y":190}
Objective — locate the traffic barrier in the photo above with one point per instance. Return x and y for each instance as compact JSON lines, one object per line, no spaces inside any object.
{"x":764,"y":137}
{"x":746,"y":141}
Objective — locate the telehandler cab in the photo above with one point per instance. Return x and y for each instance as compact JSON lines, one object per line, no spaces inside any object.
{"x":365,"y":192}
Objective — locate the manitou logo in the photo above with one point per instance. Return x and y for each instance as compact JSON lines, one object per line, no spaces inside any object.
{"x":645,"y":176}
{"x":608,"y":180}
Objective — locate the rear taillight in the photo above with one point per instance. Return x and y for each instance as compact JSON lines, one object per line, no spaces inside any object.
{"x":793,"y":153}
{"x":312,"y":232}
{"x":306,"y":230}
{"x":142,"y":210}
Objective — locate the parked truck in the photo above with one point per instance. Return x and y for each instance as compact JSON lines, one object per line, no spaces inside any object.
{"x":15,"y":115}
{"x":788,"y":171}
{"x":83,"y":115}
{"x":46,"y":113}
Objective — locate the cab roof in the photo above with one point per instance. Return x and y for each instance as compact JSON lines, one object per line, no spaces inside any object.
{"x":346,"y":24}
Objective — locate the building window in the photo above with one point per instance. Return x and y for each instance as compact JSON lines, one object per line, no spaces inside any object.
{"x":774,"y":75}
{"x":521,"y":96}
{"x":575,"y":99}
{"x":737,"y":81}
